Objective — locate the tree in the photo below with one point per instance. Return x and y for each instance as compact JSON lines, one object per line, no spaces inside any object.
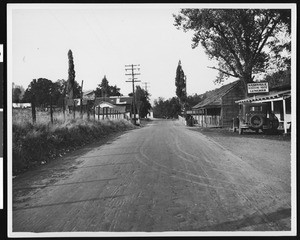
{"x":71,"y":76}
{"x":279,"y":79}
{"x":41,"y":89}
{"x":174,"y":108}
{"x":17,"y":93}
{"x":169,"y":108}
{"x":114,"y":91}
{"x":180,"y":83}
{"x":193,"y":100}
{"x":236,"y":38}
{"x":105,"y":90}
{"x":158,"y":109}
{"x":142,"y":102}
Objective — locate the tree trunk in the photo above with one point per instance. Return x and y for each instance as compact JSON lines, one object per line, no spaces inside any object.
{"x":247,"y":78}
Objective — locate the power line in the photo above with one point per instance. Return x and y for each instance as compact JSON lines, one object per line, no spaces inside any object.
{"x":133,"y":68}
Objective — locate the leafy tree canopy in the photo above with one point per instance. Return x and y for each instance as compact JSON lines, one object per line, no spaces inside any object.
{"x":279,"y":80}
{"x":43,"y":88}
{"x":40,"y":89}
{"x":239,"y":39}
{"x":105,"y":90}
{"x":17,"y":93}
{"x":142,"y":102}
{"x":169,"y":108}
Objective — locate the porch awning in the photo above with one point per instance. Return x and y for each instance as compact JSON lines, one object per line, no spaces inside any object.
{"x":267,"y":98}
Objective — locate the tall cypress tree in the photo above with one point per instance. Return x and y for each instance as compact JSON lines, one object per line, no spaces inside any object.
{"x":180,"y":83}
{"x":71,"y":76}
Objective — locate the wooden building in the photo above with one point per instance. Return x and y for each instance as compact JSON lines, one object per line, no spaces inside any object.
{"x":219,"y":107}
{"x":117,"y":101}
{"x":279,"y":102}
{"x":119,"y":105}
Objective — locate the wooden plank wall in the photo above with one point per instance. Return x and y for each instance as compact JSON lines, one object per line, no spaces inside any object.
{"x":230,"y":109}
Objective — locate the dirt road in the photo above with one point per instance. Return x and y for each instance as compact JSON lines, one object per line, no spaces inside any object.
{"x":162,"y":177}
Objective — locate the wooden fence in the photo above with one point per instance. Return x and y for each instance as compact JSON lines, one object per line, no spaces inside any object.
{"x":87,"y":111}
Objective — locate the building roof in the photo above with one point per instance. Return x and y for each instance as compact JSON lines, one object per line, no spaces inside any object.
{"x":120,"y":109}
{"x":89,"y":92}
{"x":214,"y":97}
{"x":269,"y":97}
{"x":116,"y":100}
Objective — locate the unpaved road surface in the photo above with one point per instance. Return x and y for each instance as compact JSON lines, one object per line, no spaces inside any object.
{"x":162,"y":177}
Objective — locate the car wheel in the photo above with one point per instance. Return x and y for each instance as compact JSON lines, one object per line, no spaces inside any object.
{"x":274,"y":123}
{"x":256,"y":121}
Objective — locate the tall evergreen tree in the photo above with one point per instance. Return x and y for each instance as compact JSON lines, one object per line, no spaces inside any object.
{"x":105,"y":90}
{"x":71,"y":76}
{"x":180,"y":83}
{"x":142,"y":102}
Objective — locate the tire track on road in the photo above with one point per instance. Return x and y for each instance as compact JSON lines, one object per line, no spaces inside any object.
{"x":247,"y":195}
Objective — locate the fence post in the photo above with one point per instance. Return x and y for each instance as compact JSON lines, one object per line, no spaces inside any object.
{"x":64,"y":108}
{"x":73,"y":108}
{"x":98,"y":112}
{"x":88,"y":110}
{"x":51,"y":110}
{"x":94,"y":108}
{"x":33,"y":109}
{"x":81,"y":115}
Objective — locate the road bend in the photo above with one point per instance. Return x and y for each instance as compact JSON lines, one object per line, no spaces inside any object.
{"x":162,"y":177}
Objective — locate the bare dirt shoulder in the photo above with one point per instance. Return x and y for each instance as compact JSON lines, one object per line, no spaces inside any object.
{"x":270,"y":154}
{"x":63,"y":166}
{"x":31,"y":181}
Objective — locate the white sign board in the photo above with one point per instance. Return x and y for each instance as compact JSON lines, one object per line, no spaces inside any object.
{"x":258,"y":87}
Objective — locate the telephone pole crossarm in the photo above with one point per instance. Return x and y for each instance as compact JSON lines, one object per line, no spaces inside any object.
{"x":146,"y":85}
{"x":133,"y":68}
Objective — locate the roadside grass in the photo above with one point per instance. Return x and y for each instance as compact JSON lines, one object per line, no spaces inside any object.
{"x":35,"y":144}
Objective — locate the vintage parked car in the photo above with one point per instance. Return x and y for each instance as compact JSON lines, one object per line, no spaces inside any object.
{"x":256,"y":116}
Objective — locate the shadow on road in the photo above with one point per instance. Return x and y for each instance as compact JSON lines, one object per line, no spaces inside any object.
{"x":249,"y":221}
{"x":247,"y":134}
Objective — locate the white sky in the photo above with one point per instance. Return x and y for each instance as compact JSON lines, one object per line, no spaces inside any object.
{"x":103,"y":39}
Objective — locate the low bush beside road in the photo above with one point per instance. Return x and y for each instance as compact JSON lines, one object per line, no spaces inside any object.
{"x":35,"y":144}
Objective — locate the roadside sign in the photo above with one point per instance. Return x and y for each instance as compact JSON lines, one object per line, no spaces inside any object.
{"x":258,"y":87}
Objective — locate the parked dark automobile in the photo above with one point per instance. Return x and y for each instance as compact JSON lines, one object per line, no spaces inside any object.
{"x":189,"y":120}
{"x":256,"y":116}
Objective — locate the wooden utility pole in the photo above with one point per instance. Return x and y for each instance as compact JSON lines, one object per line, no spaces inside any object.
{"x":145,"y":86}
{"x":133,"y":68}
